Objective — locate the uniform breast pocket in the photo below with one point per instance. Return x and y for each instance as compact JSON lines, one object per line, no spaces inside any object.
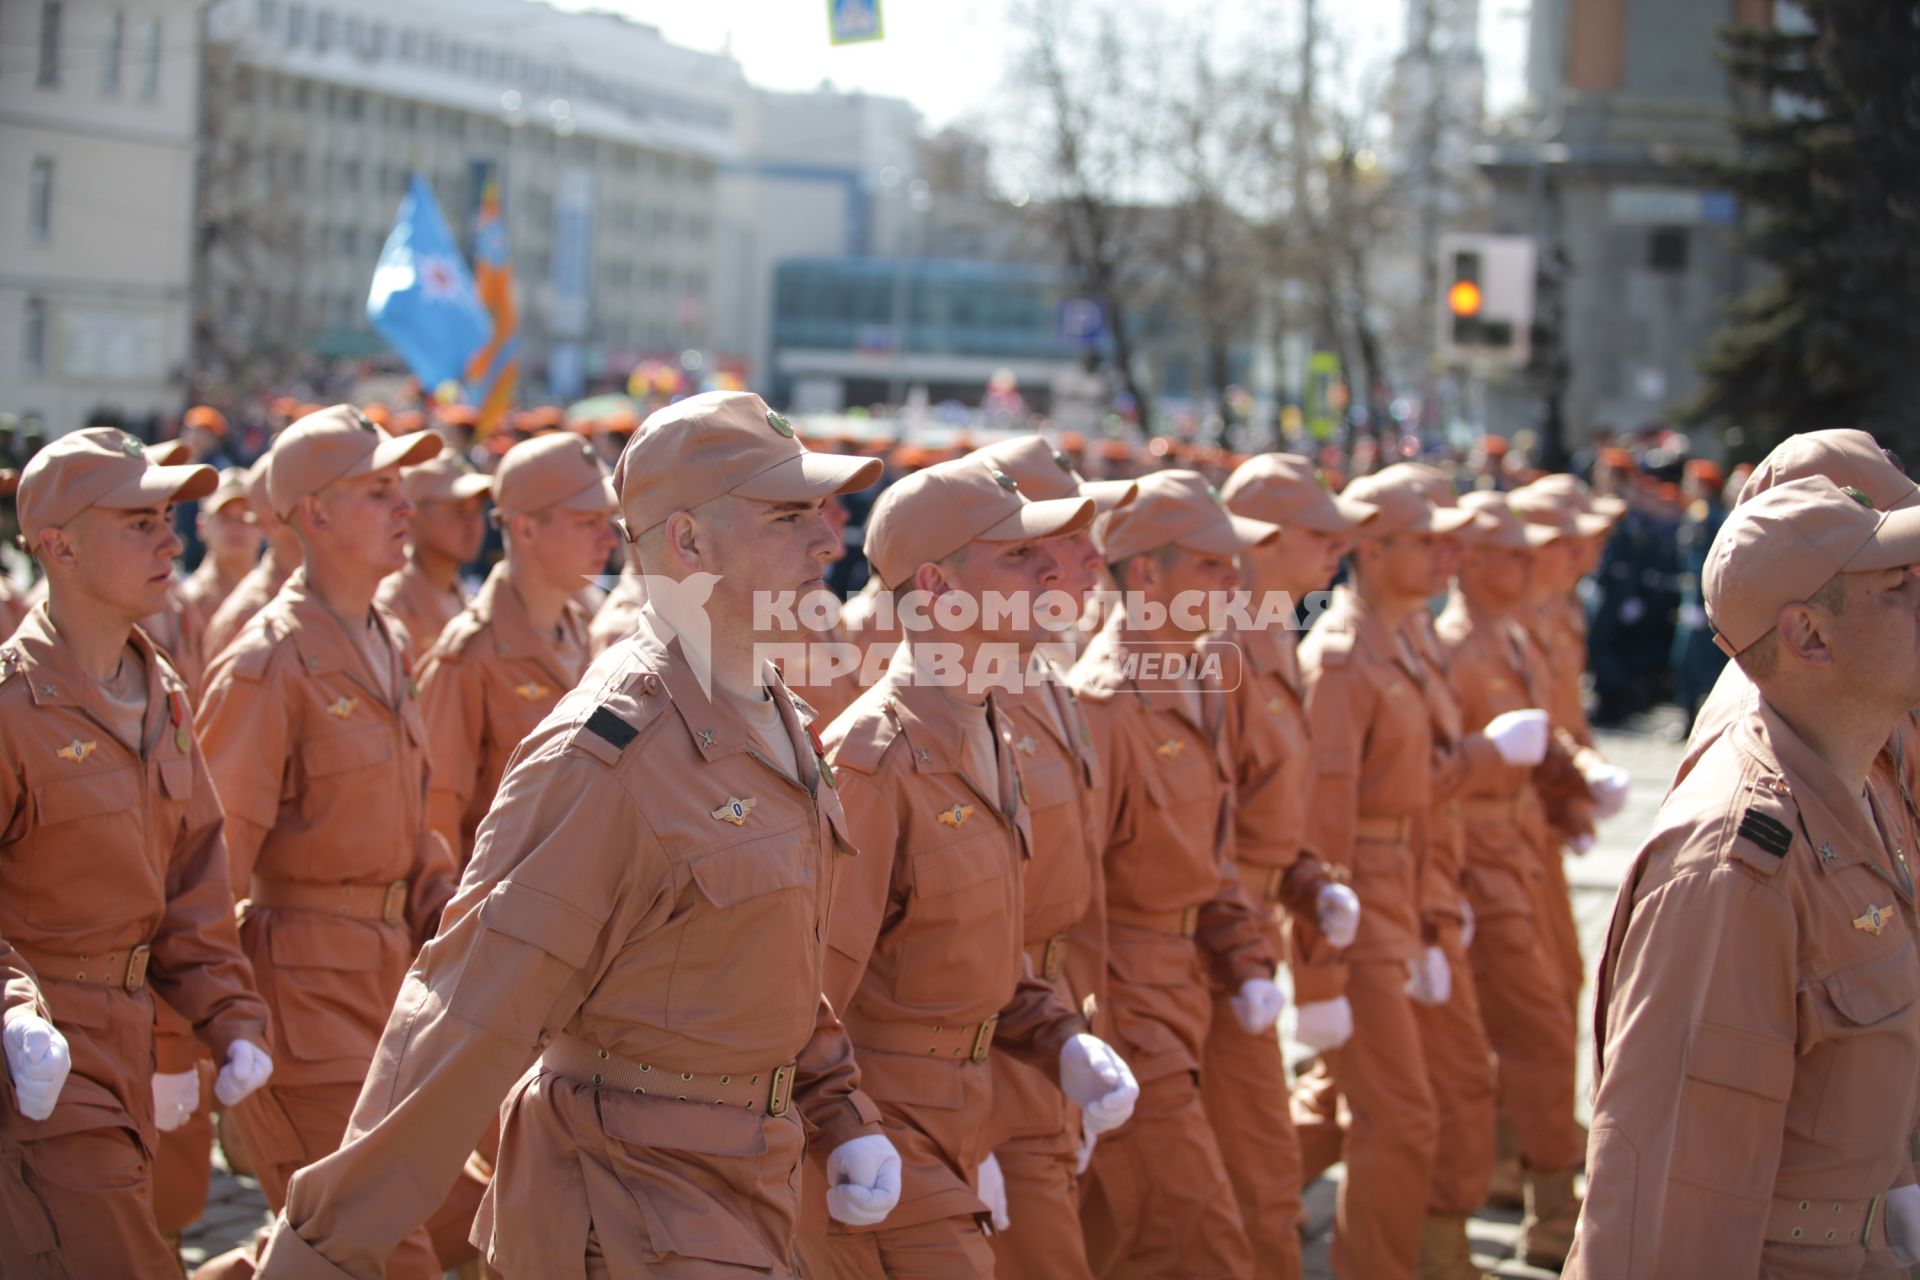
{"x":1050,"y":784}
{"x":344,"y":769}
{"x":89,"y":834}
{"x":965,"y":904}
{"x":1872,"y":1031}
{"x":1182,"y":809}
{"x":748,"y":904}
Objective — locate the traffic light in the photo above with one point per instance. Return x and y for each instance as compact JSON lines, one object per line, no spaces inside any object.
{"x":1486,"y":299}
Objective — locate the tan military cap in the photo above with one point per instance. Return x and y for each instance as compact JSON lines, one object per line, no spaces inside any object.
{"x":170,"y":453}
{"x":1789,"y":541}
{"x":1178,"y":508}
{"x":556,"y":472}
{"x":445,"y":477}
{"x":1577,"y":493}
{"x":1557,"y":511}
{"x":234,"y":486}
{"x":722,"y":442}
{"x":1044,"y":472}
{"x":1495,"y":525}
{"x":1403,"y":496}
{"x":1285,"y":489}
{"x":934,"y":512}
{"x":337,"y":443}
{"x":100,"y":467}
{"x":1844,"y":456}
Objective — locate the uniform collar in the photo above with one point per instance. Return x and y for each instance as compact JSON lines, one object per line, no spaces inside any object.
{"x":325,"y":647}
{"x":1838,"y":833}
{"x":514,"y":635}
{"x":935,"y":724}
{"x":54,"y":678}
{"x":1352,"y":610}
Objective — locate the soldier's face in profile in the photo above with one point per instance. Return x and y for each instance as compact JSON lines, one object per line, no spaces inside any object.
{"x":123,"y":559}
{"x":1010,"y":571}
{"x":1407,"y":564}
{"x":365,"y":520}
{"x":1299,"y":561}
{"x":232,"y":532}
{"x":1875,"y":636}
{"x":452,"y":528}
{"x":568,"y":545}
{"x":1080,"y":563}
{"x":756,"y":546}
{"x":1198,"y":579}
{"x":1497,"y":577}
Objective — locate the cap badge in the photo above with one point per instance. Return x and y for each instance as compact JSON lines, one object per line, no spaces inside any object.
{"x":956,"y":816}
{"x":586,"y":451}
{"x":77,"y":751}
{"x":1275,"y":706}
{"x":1006,"y":482}
{"x":735,"y":810}
{"x":1873,"y":919}
{"x":531,"y":691}
{"x":340,"y":708}
{"x":1169,"y":749}
{"x":1214,"y":494}
{"x":780,"y":424}
{"x":1063,"y":462}
{"x":1864,"y":501}
{"x":366,"y":423}
{"x":132,"y":447}
{"x":1024,"y":744}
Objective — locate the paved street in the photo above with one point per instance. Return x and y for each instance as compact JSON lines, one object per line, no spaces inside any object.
{"x":235,"y":1209}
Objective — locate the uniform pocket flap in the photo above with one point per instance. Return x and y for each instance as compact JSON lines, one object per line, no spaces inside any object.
{"x":1741,"y":1060}
{"x":309,"y":939}
{"x":1171,"y":786}
{"x":1050,"y":783}
{"x":89,"y":795}
{"x":1875,"y":991}
{"x":339,"y":752}
{"x":177,"y":777}
{"x":957,"y":866}
{"x":760,"y":865}
{"x":556,"y":927}
{"x":668,"y":1124}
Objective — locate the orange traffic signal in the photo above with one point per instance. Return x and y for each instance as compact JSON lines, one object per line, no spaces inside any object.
{"x":1463,"y":299}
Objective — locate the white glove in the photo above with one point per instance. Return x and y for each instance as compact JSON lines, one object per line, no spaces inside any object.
{"x":1258,"y":1005}
{"x":1466,"y":924}
{"x":1324,"y":1024}
{"x":1338,"y":910}
{"x":38,"y":1060}
{"x":993,"y":1192}
{"x":1088,"y":1139}
{"x":1903,"y":1224}
{"x":1607,"y":784}
{"x":1098,"y":1081}
{"x":1430,"y":978}
{"x":176,"y":1096}
{"x":248,"y":1067}
{"x":863,"y":1180}
{"x":1519,"y":736}
{"x":1581,"y":842}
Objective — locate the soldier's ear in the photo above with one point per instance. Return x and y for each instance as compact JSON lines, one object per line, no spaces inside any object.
{"x":1802,"y":636}
{"x":684,"y":541}
{"x":53,"y":547}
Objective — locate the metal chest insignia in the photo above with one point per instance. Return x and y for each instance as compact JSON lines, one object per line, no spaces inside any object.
{"x":1169,"y":749}
{"x":531,"y":691}
{"x":1025,"y":744}
{"x":340,"y":708}
{"x":77,"y":751}
{"x":735,"y":810}
{"x":956,"y":816}
{"x":1873,"y":919}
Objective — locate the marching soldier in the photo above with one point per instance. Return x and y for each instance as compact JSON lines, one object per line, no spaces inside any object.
{"x":1309,"y":915}
{"x":503,"y":663}
{"x":1036,"y":1155}
{"x":313,"y":735}
{"x":927,"y":959}
{"x":263,"y":582}
{"x":231,"y":532}
{"x":644,"y":921}
{"x":113,"y":873}
{"x":1757,"y":1020}
{"x":1160,"y":1201}
{"x":449,"y":525}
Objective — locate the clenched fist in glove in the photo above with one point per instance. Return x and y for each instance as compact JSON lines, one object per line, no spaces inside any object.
{"x":1430,"y":978}
{"x":1519,"y":736}
{"x":176,"y":1096}
{"x":248,"y":1067}
{"x":863,"y":1180}
{"x":1098,"y":1081}
{"x":1337,"y":911}
{"x":993,"y":1192}
{"x":1903,"y":1224}
{"x":1607,"y":784}
{"x":1324,"y":1024}
{"x":38,"y":1061}
{"x":1258,"y":1005}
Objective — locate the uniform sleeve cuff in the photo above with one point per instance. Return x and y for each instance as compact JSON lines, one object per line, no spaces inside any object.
{"x":289,"y":1257}
{"x":853,"y":1116}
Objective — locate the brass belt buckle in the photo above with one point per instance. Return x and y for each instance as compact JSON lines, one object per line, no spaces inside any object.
{"x":137,"y":967}
{"x":394,"y":909}
{"x":1055,"y":959}
{"x":1190,"y":922}
{"x":782,"y":1091}
{"x":1866,"y":1228}
{"x":1276,"y":879}
{"x":983,"y":1038}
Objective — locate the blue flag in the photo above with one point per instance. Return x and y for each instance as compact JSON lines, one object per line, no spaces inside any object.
{"x":423,"y":300}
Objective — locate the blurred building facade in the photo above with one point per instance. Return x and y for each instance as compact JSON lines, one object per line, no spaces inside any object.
{"x":97,"y":109}
{"x":607,"y":141}
{"x":1637,"y":252}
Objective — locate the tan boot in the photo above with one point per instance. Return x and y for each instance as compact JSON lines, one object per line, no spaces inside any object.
{"x":1546,"y":1233}
{"x":1444,"y":1252}
{"x":1508,"y":1187}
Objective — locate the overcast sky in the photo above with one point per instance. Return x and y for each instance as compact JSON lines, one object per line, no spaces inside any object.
{"x":946,"y":56}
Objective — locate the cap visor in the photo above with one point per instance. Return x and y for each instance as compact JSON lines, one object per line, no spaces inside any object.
{"x":1330,"y":513}
{"x":1229,"y":535}
{"x":402,"y":451}
{"x":1449,"y":519}
{"x":1042,"y":519}
{"x":169,"y":453}
{"x":810,"y":474}
{"x":1590,"y":526}
{"x":1895,"y":543}
{"x":469,"y":485}
{"x":158,"y":485}
{"x":598,"y":496}
{"x":1608,"y":506}
{"x":1109,"y":494}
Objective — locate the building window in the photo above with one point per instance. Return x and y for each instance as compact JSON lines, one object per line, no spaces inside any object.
{"x":110,"y":55}
{"x":323,"y":31}
{"x":150,"y":59}
{"x":49,"y":74}
{"x":40,"y":199}
{"x":409,"y":46}
{"x":296,"y":25}
{"x":263,"y":14}
{"x":1667,"y":250}
{"x":35,"y":335}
